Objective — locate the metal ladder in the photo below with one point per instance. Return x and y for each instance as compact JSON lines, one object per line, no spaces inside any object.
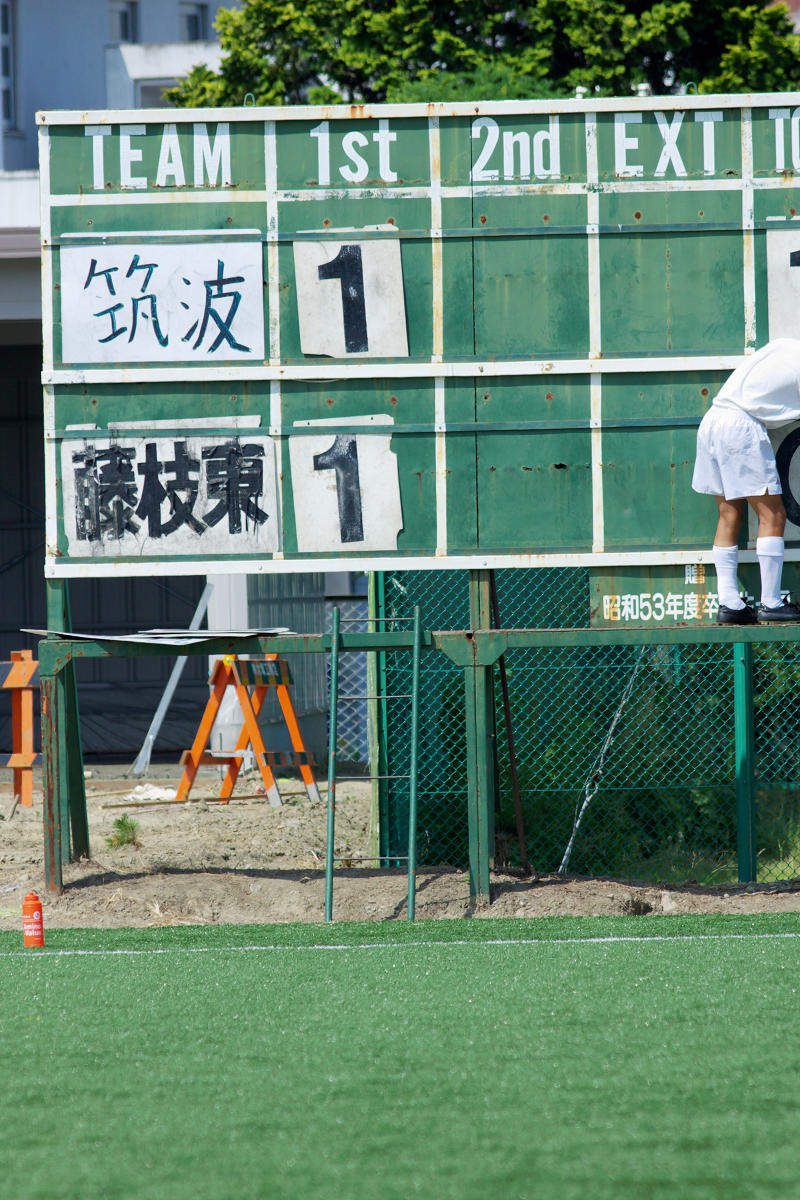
{"x":413,"y":696}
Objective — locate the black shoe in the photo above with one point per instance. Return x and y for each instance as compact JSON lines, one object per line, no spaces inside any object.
{"x":784,"y":612}
{"x":737,"y":616}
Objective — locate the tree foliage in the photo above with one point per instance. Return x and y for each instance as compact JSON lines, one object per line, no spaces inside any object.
{"x":328,"y":51}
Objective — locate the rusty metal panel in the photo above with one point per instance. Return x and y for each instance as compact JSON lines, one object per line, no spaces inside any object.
{"x":405,"y":335}
{"x":648,"y":597}
{"x":651,"y":597}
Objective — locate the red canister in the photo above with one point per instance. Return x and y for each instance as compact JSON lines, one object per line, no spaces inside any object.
{"x":32,"y":924}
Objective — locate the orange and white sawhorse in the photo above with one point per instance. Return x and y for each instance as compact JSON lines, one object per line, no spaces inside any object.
{"x":261,"y":675}
{"x":21,"y":676}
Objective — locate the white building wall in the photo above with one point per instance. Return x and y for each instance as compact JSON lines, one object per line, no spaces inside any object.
{"x":128,"y":66}
{"x":60,"y":60}
{"x":58,"y":46}
{"x":20,"y":290}
{"x":20,"y":281}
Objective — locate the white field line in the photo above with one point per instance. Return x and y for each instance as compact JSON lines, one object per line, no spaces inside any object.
{"x":257,"y":949}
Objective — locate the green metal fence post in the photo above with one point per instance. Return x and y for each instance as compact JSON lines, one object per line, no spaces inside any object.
{"x":479,"y":698}
{"x":379,"y":761}
{"x":413,"y":770}
{"x":374,"y":727}
{"x":332,"y":715}
{"x":71,"y":800}
{"x":480,"y":808}
{"x":745,"y":761}
{"x":54,"y":777}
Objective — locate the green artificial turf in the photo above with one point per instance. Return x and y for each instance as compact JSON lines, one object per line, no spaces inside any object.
{"x":595,"y":1058}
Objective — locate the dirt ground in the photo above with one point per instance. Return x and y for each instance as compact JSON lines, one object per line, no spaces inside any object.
{"x":245,"y":862}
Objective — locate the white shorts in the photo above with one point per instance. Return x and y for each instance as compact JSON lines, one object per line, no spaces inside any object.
{"x":734,"y":456}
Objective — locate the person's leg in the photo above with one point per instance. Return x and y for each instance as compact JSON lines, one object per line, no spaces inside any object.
{"x":769,"y":545}
{"x":726,"y":551}
{"x":735,"y":457}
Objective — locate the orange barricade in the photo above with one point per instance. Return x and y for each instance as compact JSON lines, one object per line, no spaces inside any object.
{"x":261,"y":675}
{"x":21,"y":676}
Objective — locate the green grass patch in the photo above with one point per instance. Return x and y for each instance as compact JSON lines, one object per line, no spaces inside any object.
{"x":125,"y":833}
{"x":602,"y":1057}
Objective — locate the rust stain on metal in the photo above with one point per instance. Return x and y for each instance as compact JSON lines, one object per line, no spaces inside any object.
{"x":438,"y":318}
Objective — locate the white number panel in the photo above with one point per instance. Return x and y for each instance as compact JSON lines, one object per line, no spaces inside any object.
{"x":198,"y":494}
{"x":346,"y":488}
{"x":350,"y":299}
{"x":783,"y":282}
{"x":162,"y":303}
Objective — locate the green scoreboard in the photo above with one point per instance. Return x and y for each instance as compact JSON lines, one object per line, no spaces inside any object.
{"x":473,"y":335}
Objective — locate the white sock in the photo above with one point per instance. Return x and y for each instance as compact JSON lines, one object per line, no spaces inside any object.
{"x":726,"y":560}
{"x":770,"y":559}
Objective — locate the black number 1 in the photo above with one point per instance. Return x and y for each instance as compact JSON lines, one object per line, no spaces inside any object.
{"x":346,"y":267}
{"x":342,"y":457}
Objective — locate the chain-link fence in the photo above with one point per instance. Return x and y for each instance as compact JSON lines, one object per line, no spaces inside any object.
{"x":352,"y":741}
{"x":655,"y":801}
{"x":441,"y":806}
{"x":297,"y":602}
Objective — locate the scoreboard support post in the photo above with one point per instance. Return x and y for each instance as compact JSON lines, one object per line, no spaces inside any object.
{"x":69,"y":753}
{"x":481,"y":747}
{"x":744,"y":737}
